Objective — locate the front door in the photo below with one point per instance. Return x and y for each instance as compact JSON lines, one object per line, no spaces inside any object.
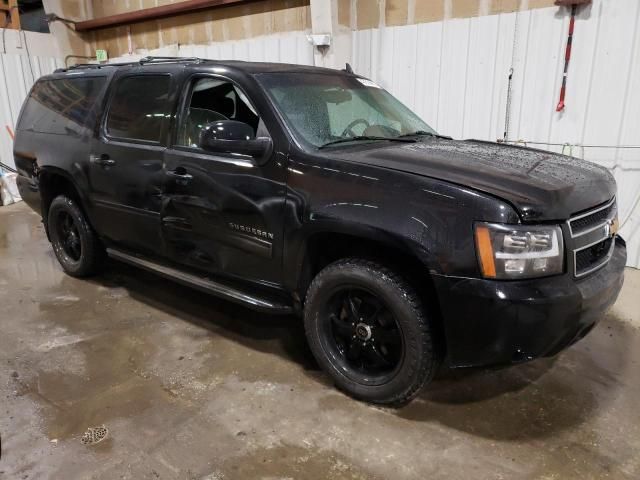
{"x":125,"y":163}
{"x":222,"y":213}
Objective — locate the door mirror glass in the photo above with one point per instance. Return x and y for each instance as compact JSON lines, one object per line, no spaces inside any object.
{"x":231,"y":136}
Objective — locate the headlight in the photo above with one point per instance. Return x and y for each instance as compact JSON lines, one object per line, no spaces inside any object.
{"x":519,"y":251}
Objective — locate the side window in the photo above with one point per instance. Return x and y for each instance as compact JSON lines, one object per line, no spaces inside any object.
{"x":62,"y":106}
{"x":139,"y":108}
{"x":213,"y":99}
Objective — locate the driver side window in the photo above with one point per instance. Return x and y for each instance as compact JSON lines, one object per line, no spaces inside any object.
{"x":213,"y":99}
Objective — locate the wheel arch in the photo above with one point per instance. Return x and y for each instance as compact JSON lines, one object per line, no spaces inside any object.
{"x":324,"y":247}
{"x":54,"y":181}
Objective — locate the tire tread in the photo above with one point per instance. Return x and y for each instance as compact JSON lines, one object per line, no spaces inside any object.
{"x":425,"y":367}
{"x":93,"y":255}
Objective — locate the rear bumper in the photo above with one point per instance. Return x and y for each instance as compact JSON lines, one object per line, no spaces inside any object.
{"x":489,"y":322}
{"x":29,"y":192}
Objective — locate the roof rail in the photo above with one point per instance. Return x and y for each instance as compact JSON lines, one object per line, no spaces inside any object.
{"x":146,"y":60}
{"x":78,"y":66}
{"x":83,"y":65}
{"x":142,"y":61}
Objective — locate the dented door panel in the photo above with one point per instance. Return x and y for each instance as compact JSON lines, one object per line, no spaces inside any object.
{"x":223,"y":215}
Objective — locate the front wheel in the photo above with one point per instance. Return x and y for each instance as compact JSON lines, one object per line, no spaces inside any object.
{"x":366,"y":327}
{"x":74,"y":242}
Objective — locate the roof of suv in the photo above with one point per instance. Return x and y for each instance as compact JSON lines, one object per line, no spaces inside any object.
{"x":248,"y":67}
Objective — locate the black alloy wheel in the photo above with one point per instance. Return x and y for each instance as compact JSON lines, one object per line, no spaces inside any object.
{"x":74,"y":242}
{"x":364,"y":334}
{"x":368,"y":330}
{"x":69,"y":236}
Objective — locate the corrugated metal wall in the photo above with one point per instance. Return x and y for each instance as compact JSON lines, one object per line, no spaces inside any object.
{"x":18,"y":71}
{"x":455,"y":75}
{"x":289,"y":47}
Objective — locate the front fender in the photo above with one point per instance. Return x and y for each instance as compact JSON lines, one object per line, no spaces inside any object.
{"x":428,"y":218}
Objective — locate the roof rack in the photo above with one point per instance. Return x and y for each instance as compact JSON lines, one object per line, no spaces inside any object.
{"x":146,"y":60}
{"x":142,"y":61}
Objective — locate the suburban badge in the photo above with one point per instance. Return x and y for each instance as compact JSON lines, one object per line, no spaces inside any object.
{"x":251,"y":230}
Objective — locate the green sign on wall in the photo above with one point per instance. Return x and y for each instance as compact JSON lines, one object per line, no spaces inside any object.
{"x":101,"y":55}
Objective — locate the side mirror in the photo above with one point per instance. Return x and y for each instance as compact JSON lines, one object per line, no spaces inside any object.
{"x":231,"y":136}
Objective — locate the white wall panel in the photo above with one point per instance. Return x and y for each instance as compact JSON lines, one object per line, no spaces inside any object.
{"x":288,"y":47}
{"x":428,"y":62}
{"x":479,"y":94}
{"x":455,"y":75}
{"x":23,"y":59}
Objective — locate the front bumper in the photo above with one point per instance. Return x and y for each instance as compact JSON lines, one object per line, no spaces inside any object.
{"x":488,"y":322}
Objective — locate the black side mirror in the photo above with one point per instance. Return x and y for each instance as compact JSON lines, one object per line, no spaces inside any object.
{"x":231,"y":136}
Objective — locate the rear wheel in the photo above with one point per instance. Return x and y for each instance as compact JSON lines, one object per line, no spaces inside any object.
{"x":74,"y":242}
{"x":367,"y":328}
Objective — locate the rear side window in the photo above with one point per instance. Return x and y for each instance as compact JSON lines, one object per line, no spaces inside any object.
{"x":62,"y":106}
{"x":139,"y":108}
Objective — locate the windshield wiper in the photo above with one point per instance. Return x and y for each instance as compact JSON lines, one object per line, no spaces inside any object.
{"x":422,"y":133}
{"x":359,"y":138}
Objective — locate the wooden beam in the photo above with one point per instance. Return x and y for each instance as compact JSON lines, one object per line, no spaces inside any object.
{"x":9,"y":15}
{"x":153,"y":13}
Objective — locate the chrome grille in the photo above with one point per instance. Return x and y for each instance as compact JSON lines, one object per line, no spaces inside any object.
{"x":593,"y":238}
{"x":583,"y":224}
{"x":590,"y":257}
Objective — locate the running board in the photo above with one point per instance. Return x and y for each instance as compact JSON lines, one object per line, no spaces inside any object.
{"x":203,"y":284}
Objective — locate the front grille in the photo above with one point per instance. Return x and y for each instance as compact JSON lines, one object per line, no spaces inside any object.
{"x":584,"y":223}
{"x":592,"y":257}
{"x":593,"y":238}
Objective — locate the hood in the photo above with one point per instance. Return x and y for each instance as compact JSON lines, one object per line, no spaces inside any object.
{"x":541,"y":185}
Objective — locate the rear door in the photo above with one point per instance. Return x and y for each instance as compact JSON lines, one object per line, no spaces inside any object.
{"x":222,"y":213}
{"x":125,"y":162}
{"x":55,"y":128}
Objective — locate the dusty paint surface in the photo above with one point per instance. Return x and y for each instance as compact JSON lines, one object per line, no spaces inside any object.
{"x":191,"y":387}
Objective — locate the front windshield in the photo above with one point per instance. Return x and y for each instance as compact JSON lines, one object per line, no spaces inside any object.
{"x":324,"y":109}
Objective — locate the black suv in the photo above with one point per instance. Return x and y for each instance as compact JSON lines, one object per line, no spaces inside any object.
{"x":300,"y":189}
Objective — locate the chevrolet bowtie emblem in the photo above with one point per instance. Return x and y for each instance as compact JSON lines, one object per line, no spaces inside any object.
{"x":611,"y":227}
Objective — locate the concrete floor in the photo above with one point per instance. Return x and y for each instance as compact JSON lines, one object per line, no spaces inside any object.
{"x":193,"y":387}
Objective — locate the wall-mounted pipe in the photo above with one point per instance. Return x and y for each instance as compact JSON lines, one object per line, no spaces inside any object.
{"x":153,"y":13}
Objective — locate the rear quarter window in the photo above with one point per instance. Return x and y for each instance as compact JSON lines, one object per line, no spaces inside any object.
{"x":139,"y":108}
{"x":64,"y":106}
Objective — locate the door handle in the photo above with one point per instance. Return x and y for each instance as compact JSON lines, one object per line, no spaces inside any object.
{"x":180,"y":175}
{"x":103,"y":160}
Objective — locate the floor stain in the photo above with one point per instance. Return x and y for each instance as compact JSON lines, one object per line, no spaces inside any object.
{"x":290,"y":461}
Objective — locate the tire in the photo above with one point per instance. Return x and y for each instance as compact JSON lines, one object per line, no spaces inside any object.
{"x":74,"y":242}
{"x":396,"y":355}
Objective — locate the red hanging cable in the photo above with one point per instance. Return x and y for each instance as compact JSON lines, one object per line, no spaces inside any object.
{"x":567,"y":57}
